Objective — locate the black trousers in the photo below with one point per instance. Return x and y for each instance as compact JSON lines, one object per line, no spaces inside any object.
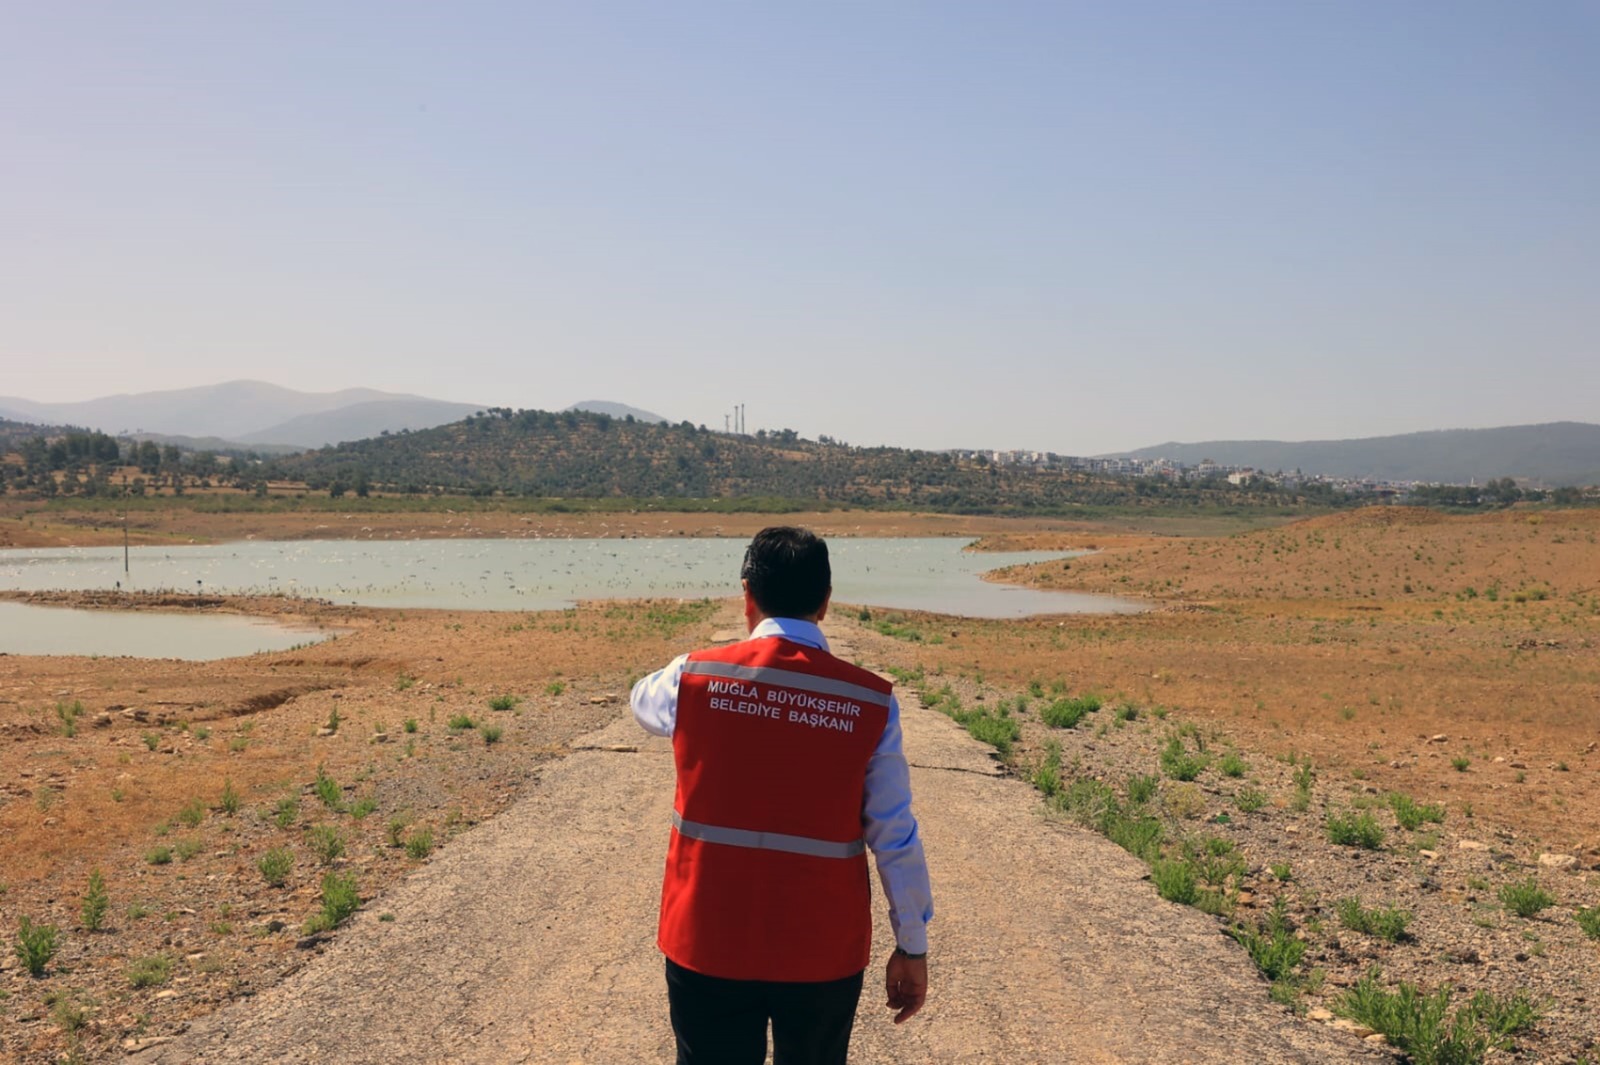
{"x":724,"y":1022}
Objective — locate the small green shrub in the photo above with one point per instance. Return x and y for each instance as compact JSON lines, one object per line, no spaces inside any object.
{"x":1387,"y":924}
{"x":36,"y":945}
{"x":152,"y":740}
{"x":1410,"y":815}
{"x":1046,"y":775}
{"x":1282,"y":871}
{"x":95,"y":902}
{"x":1418,"y":1025}
{"x":1066,"y":713}
{"x":419,"y":844}
{"x":491,"y":734}
{"x":327,"y":842}
{"x":1525,"y":898}
{"x":1142,"y":788}
{"x":1175,"y":881}
{"x":363,"y":806}
{"x":1589,"y":921}
{"x":1249,"y":800}
{"x":1355,"y":828}
{"x":187,"y":848}
{"x":275,"y":865}
{"x":1232,"y":765}
{"x":504,"y":702}
{"x":1271,"y":945}
{"x":286,"y":813}
{"x":1460,"y":763}
{"x":1502,"y":1017}
{"x":460,"y":722}
{"x":230,"y":798}
{"x":334,"y":720}
{"x":328,"y":790}
{"x":394,"y":832}
{"x":340,"y":899}
{"x":152,"y":971}
{"x":555,"y":688}
{"x":998,"y":732}
{"x":67,"y":714}
{"x":410,"y":725}
{"x":1178,"y":763}
{"x":193,"y":812}
{"x":158,"y":855}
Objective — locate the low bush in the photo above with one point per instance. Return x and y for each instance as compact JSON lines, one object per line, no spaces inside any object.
{"x":340,"y":899}
{"x":1232,"y":765}
{"x":1525,"y":898}
{"x":1410,"y":815}
{"x":286,"y":812}
{"x":230,"y":798}
{"x":1178,"y":763}
{"x":460,"y":722}
{"x":1249,"y":800}
{"x":1066,"y":713}
{"x":150,"y":972}
{"x":419,"y":844}
{"x":1589,"y":921}
{"x":328,"y":790}
{"x":158,"y":855}
{"x":36,"y":945}
{"x":96,"y":902}
{"x":1423,"y":1027}
{"x":1355,"y":828}
{"x":504,"y":702}
{"x":1142,"y":789}
{"x":193,"y":812}
{"x":1046,"y":776}
{"x":275,"y":865}
{"x":327,"y":843}
{"x":491,"y":734}
{"x":1270,"y":944}
{"x":1175,"y":880}
{"x":1387,"y":924}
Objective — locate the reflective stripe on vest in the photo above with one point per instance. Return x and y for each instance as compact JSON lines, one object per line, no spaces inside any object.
{"x":769,"y":841}
{"x":788,"y":678}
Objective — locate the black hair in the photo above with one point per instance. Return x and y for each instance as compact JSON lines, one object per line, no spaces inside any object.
{"x":788,"y":571}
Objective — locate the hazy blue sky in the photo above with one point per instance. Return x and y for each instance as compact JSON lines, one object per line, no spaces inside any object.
{"x":1078,"y":227}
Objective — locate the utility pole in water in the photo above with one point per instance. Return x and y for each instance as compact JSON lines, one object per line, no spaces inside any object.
{"x":124,"y":541}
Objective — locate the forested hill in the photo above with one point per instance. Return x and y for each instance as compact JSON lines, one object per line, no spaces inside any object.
{"x":575,"y":454}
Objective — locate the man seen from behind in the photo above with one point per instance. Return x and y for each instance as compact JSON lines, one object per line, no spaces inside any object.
{"x":789,"y":768}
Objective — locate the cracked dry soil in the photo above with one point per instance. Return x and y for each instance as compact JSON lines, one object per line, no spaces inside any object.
{"x":532,"y":940}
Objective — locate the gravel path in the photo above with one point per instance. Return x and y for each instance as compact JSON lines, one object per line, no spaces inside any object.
{"x":531,"y":939}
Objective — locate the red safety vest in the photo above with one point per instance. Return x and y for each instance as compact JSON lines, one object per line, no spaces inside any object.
{"x":766,"y":870}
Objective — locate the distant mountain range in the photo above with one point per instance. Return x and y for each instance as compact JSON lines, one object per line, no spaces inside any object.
{"x":1556,"y":453}
{"x":255,"y":414}
{"x":246,"y":413}
{"x":618,"y":410}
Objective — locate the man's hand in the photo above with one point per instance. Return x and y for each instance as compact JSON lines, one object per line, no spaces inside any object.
{"x":906,"y":980}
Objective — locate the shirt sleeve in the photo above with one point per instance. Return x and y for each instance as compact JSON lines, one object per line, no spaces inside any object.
{"x":890,"y":831}
{"x":655,"y":698}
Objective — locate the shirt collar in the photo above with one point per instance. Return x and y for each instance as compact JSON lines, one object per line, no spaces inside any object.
{"x":792,"y":629}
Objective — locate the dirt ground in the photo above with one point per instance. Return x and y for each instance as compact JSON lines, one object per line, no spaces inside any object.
{"x":1453,"y":659}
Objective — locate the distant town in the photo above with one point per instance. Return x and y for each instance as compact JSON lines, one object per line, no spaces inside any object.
{"x":1206,"y":470}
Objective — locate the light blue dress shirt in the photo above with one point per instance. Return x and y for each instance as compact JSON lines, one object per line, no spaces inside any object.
{"x":887,"y":824}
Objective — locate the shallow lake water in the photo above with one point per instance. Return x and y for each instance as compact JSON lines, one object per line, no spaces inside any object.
{"x":26,"y":629}
{"x":525,"y":574}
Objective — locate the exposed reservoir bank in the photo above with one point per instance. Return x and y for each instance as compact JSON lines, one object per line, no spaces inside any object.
{"x":925,"y":573}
